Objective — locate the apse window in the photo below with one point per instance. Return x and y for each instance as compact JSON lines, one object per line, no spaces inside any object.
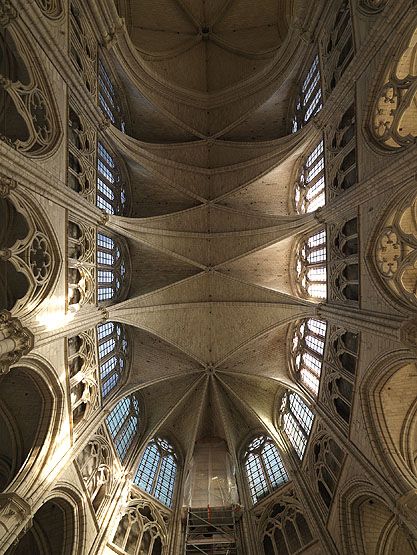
{"x":310,"y":187}
{"x":112,"y":352}
{"x":297,"y":421}
{"x":311,"y":265}
{"x":309,"y":101}
{"x":123,"y":423}
{"x":308,"y":351}
{"x":264,"y":468}
{"x":157,"y":471}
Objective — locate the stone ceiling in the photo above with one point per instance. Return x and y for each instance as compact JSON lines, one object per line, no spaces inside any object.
{"x":212,"y":231}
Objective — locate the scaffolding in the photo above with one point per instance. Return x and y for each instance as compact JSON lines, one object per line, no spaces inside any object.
{"x":211,"y":531}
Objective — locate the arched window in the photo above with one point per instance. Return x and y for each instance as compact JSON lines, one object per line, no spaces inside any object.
{"x":123,"y":423}
{"x":264,"y":468}
{"x":157,"y":471}
{"x":111,"y":195}
{"x":310,"y":187}
{"x":309,"y":101}
{"x":311,"y":265}
{"x":110,"y":268}
{"x":108,"y":98}
{"x":308,"y":350}
{"x":112,"y":351}
{"x":297,"y":421}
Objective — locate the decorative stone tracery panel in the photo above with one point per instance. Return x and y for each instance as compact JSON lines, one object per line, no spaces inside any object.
{"x":28,"y":115}
{"x":142,"y":527}
{"x":343,"y":248}
{"x":395,"y":252}
{"x":81,"y":264}
{"x":370,"y":7}
{"x":394,"y":117}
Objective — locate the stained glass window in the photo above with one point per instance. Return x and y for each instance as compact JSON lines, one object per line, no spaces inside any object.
{"x":111,"y":195}
{"x":309,"y":102}
{"x":310,"y":187}
{"x":308,"y":350}
{"x":108,"y":98}
{"x":112,"y":352}
{"x":157,"y":471}
{"x":311,"y":265}
{"x":110,"y":268}
{"x":265,"y":470}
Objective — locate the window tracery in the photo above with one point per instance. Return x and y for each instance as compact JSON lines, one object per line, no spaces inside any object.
{"x":157,"y":471}
{"x":309,"y":102}
{"x":285,"y":528}
{"x":28,"y":258}
{"x":111,"y":193}
{"x":311,"y":265}
{"x":111,"y":269}
{"x":394,"y":118}
{"x":308,"y":352}
{"x":310,"y":187}
{"x":82,"y":366}
{"x":81,"y":264}
{"x":28,"y":119}
{"x":142,"y":528}
{"x":395,"y":252}
{"x":264,"y":468}
{"x":123,"y":423}
{"x":340,"y":372}
{"x":108,"y":98}
{"x":344,"y":261}
{"x":112,"y":354}
{"x":337,"y":47}
{"x":81,"y":153}
{"x":95,"y":464}
{"x":341,"y":154}
{"x":83,"y":47}
{"x":296,"y":420}
{"x":324,"y":465}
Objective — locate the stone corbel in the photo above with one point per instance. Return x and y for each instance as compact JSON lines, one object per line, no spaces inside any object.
{"x":15,"y":341}
{"x":15,"y":519}
{"x":6,"y":183}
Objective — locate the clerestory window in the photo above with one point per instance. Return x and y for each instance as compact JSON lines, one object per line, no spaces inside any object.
{"x":309,"y":101}
{"x":110,"y":268}
{"x":111,"y":195}
{"x":123,"y":422}
{"x":308,"y":351}
{"x":112,"y":352}
{"x":310,"y":187}
{"x":297,"y":420}
{"x":109,"y":99}
{"x":157,"y":471}
{"x":311,"y":265}
{"x":265,"y":470}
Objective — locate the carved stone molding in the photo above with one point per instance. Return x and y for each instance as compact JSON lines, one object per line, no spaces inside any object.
{"x":370,"y":7}
{"x":408,"y":333}
{"x":7,"y":12}
{"x":6,"y":185}
{"x":15,"y":341}
{"x":14,"y":511}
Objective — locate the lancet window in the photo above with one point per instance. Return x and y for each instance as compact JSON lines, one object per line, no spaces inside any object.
{"x":264,"y":468}
{"x":296,"y":420}
{"x":111,"y":194}
{"x":108,"y":98}
{"x":110,"y":268}
{"x":309,"y":101}
{"x":308,"y":352}
{"x":83,"y":47}
{"x":123,"y":423}
{"x":311,"y":265}
{"x":310,"y":187}
{"x":157,"y":471}
{"x":112,"y":352}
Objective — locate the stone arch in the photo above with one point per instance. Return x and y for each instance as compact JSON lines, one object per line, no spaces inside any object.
{"x":28,"y":115}
{"x":389,"y":404}
{"x":57,"y":527}
{"x":29,"y":256}
{"x":369,"y":526}
{"x":31,"y":410}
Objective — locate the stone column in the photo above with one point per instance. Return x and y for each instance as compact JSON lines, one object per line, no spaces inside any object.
{"x":15,"y":341}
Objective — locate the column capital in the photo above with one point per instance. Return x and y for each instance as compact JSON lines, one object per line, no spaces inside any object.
{"x":15,"y":341}
{"x":15,"y":518}
{"x":7,"y":184}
